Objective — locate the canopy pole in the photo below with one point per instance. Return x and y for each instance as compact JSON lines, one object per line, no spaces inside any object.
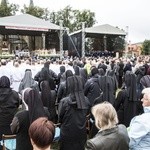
{"x":126,"y":42}
{"x":105,"y":42}
{"x":43,"y":39}
{"x":83,"y":39}
{"x":61,"y":39}
{"x":1,"y":43}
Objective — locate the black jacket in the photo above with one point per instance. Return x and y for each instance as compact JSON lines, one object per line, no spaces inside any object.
{"x":111,"y":139}
{"x":20,"y":126}
{"x":73,"y":120}
{"x":9,"y":103}
{"x":92,"y":89}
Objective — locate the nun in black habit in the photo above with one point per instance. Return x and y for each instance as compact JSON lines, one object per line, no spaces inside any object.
{"x":107,"y":93}
{"x":145,"y":81}
{"x":33,"y":109}
{"x":48,"y":98}
{"x":107,"y":90}
{"x":127,"y":104}
{"x":72,"y":113}
{"x":9,"y":103}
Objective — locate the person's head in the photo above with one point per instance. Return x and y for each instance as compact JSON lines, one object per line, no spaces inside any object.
{"x":47,"y":64}
{"x":4,"y":82}
{"x":74,"y":87}
{"x":3,"y":62}
{"x":101,"y":72}
{"x":74,"y":84}
{"x":68,"y":73}
{"x":33,"y":103}
{"x":62,"y":69}
{"x":41,"y":133}
{"x":105,"y":116}
{"x":27,"y":75}
{"x":129,"y":78}
{"x":146,"y":97}
{"x":94,"y":71}
{"x":145,"y":81}
{"x":16,"y":64}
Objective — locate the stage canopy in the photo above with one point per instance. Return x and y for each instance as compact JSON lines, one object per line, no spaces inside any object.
{"x":101,"y":30}
{"x":25,"y":24}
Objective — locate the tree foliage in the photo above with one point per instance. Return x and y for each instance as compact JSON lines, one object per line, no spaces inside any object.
{"x":146,"y":47}
{"x":36,"y":11}
{"x":72,"y":18}
{"x":7,"y":9}
{"x":116,"y":43}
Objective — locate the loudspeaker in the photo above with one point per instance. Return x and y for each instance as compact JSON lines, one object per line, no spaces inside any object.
{"x":65,"y":41}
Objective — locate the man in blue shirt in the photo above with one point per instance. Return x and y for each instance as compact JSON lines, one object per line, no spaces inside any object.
{"x":139,"y":129}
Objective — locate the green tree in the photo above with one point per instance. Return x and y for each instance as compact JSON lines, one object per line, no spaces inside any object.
{"x":36,"y":11}
{"x":115,"y":43}
{"x":7,"y":9}
{"x":146,"y":47}
{"x":72,"y":19}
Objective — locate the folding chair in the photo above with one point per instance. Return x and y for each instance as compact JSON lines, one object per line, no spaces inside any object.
{"x":9,"y":142}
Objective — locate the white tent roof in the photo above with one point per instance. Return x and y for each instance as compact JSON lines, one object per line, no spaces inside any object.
{"x":27,"y":22}
{"x":103,"y":29}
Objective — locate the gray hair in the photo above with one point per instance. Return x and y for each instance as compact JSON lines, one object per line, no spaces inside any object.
{"x":147,"y":92}
{"x":105,"y":116}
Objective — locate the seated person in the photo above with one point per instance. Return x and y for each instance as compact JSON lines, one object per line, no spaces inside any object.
{"x":41,"y":133}
{"x":110,"y":136}
{"x":139,"y":129}
{"x":9,"y":103}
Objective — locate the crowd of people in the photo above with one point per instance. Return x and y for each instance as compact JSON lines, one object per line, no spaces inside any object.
{"x":111,"y":94}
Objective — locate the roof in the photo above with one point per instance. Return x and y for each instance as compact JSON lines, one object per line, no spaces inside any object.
{"x":105,"y":29}
{"x":27,"y":22}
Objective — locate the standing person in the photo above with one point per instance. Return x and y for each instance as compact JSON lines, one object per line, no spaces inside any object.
{"x":27,"y":81}
{"x":127,"y":104}
{"x":9,"y":103}
{"x":22,"y":120}
{"x":5,"y":70}
{"x":110,"y":136}
{"x":121,"y":66}
{"x":91,"y":87}
{"x":108,"y":87}
{"x":72,"y":113}
{"x":139,"y":129}
{"x":17,"y":75}
{"x":61,"y":75}
{"x":42,"y":133}
{"x":127,"y":67}
{"x":84,"y":75}
{"x":48,"y":97}
{"x":62,"y":92}
{"x":46,"y":74}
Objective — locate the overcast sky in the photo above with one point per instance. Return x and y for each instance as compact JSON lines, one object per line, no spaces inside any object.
{"x":122,"y":13}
